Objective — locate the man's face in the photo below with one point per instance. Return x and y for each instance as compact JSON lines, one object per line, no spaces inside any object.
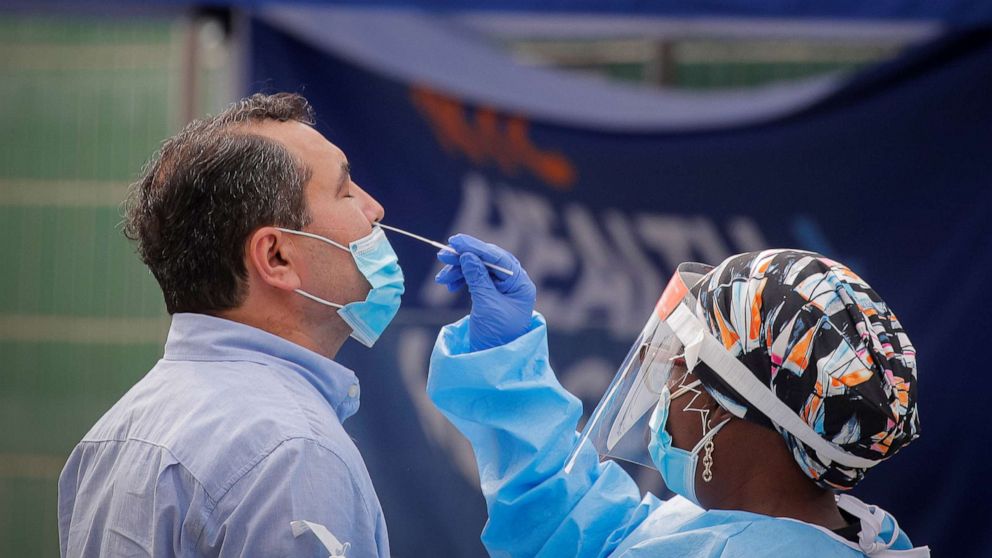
{"x":339,"y":210}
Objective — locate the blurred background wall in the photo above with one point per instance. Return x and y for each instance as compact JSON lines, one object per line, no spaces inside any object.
{"x":86,"y":97}
{"x":84,"y":101}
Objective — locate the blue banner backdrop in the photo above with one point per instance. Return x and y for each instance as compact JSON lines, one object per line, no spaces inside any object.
{"x":954,"y":13}
{"x":890,"y":175}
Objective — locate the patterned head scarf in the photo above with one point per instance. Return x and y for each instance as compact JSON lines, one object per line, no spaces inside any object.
{"x":826,"y":345}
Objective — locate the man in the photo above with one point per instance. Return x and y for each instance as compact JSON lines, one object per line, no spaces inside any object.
{"x":252,"y":226}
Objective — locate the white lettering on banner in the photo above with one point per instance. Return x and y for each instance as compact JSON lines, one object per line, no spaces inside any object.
{"x":594,"y":268}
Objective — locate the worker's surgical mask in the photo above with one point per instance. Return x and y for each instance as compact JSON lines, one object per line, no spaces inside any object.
{"x":377,"y":261}
{"x":678,"y":466}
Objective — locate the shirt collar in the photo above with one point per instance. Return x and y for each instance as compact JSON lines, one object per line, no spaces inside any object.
{"x":199,"y":337}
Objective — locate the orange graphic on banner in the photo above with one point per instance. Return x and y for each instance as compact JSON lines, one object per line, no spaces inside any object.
{"x":485,"y":136}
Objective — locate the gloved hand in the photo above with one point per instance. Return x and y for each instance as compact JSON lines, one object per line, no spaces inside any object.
{"x":501,"y":304}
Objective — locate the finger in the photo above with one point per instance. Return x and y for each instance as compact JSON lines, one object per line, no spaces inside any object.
{"x":456,"y":285}
{"x":500,"y":278}
{"x":508,"y":283}
{"x":489,"y":253}
{"x":476,"y":274}
{"x":449,"y":274}
{"x":447,"y":257}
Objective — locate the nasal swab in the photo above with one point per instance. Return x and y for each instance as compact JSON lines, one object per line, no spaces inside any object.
{"x":444,"y":247}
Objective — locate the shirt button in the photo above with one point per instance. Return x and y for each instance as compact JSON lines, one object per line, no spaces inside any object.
{"x":353,"y":391}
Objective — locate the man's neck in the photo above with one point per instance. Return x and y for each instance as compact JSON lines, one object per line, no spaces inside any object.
{"x":327,"y":344}
{"x":324,"y":339}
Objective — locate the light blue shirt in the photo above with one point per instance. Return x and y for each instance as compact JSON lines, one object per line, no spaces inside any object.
{"x":231,"y":436}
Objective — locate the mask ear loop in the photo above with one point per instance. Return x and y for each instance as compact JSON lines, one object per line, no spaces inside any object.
{"x":325,"y":240}
{"x":316,"y":298}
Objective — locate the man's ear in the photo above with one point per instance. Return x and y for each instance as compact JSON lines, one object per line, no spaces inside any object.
{"x":272,"y":255}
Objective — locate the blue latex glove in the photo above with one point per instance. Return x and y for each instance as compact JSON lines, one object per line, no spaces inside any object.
{"x":501,"y":305}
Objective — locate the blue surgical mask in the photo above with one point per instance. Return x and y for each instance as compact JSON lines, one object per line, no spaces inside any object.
{"x":377,"y":261}
{"x":677,"y":466}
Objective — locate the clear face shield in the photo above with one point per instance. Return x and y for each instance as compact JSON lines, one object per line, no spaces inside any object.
{"x":618,"y":427}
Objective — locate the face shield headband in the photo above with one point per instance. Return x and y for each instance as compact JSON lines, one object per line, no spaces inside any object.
{"x":701,"y":345}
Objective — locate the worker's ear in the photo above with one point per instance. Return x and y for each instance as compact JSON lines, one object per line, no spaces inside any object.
{"x":272,"y":255}
{"x":718,"y":414}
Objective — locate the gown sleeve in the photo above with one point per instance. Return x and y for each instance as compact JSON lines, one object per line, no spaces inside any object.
{"x":521,"y":423}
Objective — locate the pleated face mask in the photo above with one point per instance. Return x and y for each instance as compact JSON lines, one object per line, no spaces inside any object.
{"x":678,"y":466}
{"x":377,"y":261}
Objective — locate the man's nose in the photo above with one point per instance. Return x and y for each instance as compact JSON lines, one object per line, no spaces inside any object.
{"x":372,"y":209}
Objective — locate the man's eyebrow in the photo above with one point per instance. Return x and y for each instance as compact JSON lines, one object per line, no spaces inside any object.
{"x":345,"y":176}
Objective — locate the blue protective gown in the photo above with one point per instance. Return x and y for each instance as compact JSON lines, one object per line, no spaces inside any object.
{"x":522,"y":426}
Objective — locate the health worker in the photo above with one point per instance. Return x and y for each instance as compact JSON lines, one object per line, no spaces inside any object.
{"x":762,"y":390}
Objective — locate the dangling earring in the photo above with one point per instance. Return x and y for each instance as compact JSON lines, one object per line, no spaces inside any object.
{"x":708,"y":461}
{"x":704,"y":417}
